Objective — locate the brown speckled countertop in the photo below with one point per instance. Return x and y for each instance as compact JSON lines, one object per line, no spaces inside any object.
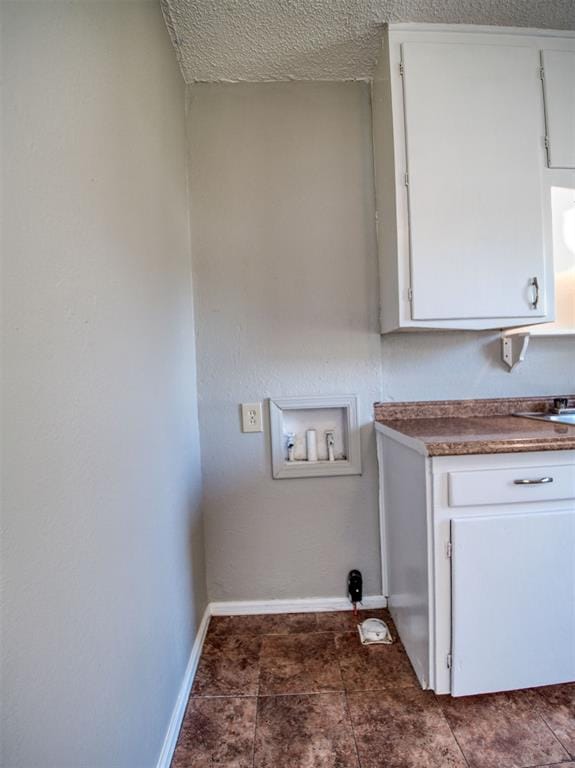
{"x":458,"y":427}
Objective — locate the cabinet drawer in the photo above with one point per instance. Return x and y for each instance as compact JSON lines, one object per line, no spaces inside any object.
{"x":511,"y":486}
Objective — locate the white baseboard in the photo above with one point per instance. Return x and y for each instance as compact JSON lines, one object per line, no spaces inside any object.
{"x":304,"y":605}
{"x":179,"y":710}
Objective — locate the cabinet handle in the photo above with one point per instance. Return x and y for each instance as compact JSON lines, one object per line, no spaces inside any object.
{"x":534,"y":283}
{"x":538,"y":481}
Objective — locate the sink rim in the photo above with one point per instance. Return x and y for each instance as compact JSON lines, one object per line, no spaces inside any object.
{"x":555,"y":418}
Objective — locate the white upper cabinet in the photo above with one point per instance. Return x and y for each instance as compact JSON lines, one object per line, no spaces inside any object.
{"x":473,"y":135}
{"x":459,"y":142}
{"x":559,"y":88}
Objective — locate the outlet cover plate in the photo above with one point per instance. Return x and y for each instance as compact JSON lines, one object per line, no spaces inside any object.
{"x":252,"y":417}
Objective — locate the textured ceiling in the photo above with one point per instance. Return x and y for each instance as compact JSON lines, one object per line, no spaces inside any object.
{"x":258,"y":40}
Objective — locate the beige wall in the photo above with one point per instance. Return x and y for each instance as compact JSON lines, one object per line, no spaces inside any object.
{"x":286,"y":304}
{"x":102,"y":558}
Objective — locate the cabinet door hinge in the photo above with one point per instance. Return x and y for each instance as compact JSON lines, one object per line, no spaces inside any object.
{"x":409,"y":294}
{"x":449,"y":549}
{"x":406,"y":179}
{"x":546,"y":142}
{"x":449,"y":660}
{"x":401,"y":68}
{"x":542,"y":73}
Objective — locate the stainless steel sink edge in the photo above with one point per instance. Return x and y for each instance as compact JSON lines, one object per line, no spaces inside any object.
{"x":566,"y":417}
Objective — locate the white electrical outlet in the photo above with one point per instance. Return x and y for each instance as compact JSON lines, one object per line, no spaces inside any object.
{"x":252,"y":417}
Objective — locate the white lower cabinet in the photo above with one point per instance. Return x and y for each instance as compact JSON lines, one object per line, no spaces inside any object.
{"x":512,"y":601}
{"x":479,"y":566}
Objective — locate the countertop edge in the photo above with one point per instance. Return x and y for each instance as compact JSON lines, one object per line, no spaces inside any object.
{"x":477,"y":446}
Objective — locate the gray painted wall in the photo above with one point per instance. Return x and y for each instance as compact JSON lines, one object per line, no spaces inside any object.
{"x":102,"y":560}
{"x":419,"y":366}
{"x":286,"y":304}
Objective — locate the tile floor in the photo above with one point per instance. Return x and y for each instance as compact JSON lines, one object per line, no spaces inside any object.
{"x":299,"y":691}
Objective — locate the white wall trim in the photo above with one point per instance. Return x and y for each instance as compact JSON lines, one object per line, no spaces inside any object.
{"x":303,"y":605}
{"x":179,"y":710}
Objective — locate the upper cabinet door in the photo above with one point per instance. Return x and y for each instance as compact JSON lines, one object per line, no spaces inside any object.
{"x":559,"y":89}
{"x":474,"y":132}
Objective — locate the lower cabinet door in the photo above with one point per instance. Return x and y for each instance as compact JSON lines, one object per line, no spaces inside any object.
{"x":513,"y":601}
